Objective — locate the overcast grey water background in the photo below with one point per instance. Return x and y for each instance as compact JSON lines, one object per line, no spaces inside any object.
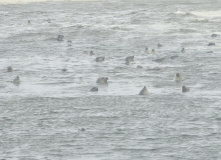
{"x":42,"y":118}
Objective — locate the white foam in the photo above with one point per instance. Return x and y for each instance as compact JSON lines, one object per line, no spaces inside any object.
{"x":211,"y":14}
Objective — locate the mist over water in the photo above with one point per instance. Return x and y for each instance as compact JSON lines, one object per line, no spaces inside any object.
{"x":44,"y":116}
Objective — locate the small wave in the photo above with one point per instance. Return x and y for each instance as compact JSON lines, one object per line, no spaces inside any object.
{"x":199,"y":20}
{"x":130,"y":13}
{"x":133,"y":149}
{"x":208,"y":14}
{"x":135,"y":13}
{"x":3,"y":13}
{"x":182,"y":14}
{"x":79,"y":26}
{"x":188,"y":30}
{"x":120,"y":28}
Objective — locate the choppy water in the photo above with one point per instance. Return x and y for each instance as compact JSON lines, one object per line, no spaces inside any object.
{"x":42,"y":118}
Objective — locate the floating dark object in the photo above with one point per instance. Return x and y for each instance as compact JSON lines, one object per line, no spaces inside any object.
{"x":153,"y":51}
{"x":60,"y":37}
{"x":177,"y":77}
{"x":211,"y":44}
{"x":91,"y":53}
{"x":214,"y":35}
{"x":99,"y":59}
{"x":129,"y":58}
{"x":139,"y":67}
{"x":173,"y":57}
{"x":185,"y":89}
{"x":16,"y":80}
{"x":93,"y":89}
{"x":159,"y":45}
{"x":159,"y":60}
{"x":102,"y":80}
{"x":144,"y":91}
{"x":9,"y":69}
{"x":147,"y":50}
{"x":64,"y":70}
{"x":183,"y":50}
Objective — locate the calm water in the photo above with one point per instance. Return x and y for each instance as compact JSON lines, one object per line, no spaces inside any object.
{"x":42,"y":117}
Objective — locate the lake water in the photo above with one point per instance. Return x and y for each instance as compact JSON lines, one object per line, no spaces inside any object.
{"x":45,"y":116}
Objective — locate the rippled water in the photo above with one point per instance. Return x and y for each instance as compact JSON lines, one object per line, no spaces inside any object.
{"x":43,"y":117}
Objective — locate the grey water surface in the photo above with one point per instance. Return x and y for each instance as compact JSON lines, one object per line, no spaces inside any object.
{"x":52,"y":115}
